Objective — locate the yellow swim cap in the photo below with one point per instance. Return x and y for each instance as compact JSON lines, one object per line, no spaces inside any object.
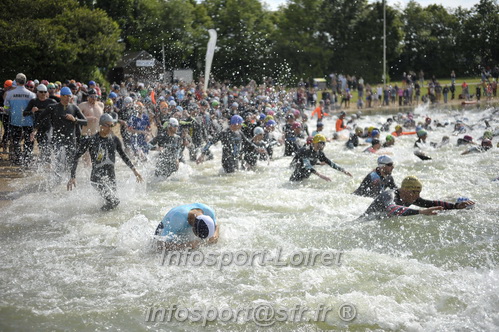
{"x":411,"y":183}
{"x":398,"y":127}
{"x":319,"y":138}
{"x":109,"y":102}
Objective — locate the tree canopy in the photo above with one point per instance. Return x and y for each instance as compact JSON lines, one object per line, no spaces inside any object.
{"x":56,"y":39}
{"x":303,"y":39}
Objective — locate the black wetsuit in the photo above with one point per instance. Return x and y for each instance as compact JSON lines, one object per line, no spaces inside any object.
{"x":103,"y":155}
{"x":194,"y":129}
{"x":248,"y":128}
{"x":124,"y":115}
{"x":232,"y":142}
{"x":388,"y":204}
{"x":374,"y":184}
{"x":270,"y":141}
{"x":251,"y":153}
{"x":64,"y":132}
{"x":170,"y":155}
{"x":304,"y":161}
{"x":353,"y":141}
{"x":289,"y":139}
{"x":42,"y":135}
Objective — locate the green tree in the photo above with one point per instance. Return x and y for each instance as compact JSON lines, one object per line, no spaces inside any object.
{"x":243,"y":43}
{"x":56,"y":39}
{"x":430,"y":40}
{"x":477,"y":39}
{"x":148,"y":24}
{"x":299,"y":42}
{"x":359,"y":52}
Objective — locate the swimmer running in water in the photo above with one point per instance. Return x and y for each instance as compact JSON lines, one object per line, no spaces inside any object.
{"x":307,"y":157}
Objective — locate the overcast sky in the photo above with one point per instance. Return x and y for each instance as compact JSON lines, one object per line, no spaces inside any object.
{"x":274,"y":4}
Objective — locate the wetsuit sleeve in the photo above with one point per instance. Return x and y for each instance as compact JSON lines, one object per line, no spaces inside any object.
{"x":214,"y":140}
{"x":308,"y":165}
{"x":399,"y":210}
{"x":427,"y":203}
{"x":122,"y":153}
{"x":82,"y":148}
{"x":43,"y":115}
{"x":249,"y":142}
{"x":27,"y":111}
{"x":154,"y":141}
{"x":80,"y":118}
{"x":391,"y":183}
{"x":364,"y":188}
{"x":325,"y":159}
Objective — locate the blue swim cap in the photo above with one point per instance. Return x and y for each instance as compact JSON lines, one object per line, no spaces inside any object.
{"x":374,"y":132}
{"x":113,"y":95}
{"x":91,"y":83}
{"x":236,"y":120}
{"x":66,"y":91}
{"x":270,"y":123}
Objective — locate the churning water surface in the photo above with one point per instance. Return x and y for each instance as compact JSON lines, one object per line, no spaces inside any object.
{"x":67,"y":266}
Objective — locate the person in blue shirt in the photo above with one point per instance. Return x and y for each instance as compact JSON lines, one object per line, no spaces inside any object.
{"x":188,"y":226}
{"x":16,"y":101}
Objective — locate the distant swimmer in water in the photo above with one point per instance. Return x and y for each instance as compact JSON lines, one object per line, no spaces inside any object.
{"x":421,"y":143}
{"x":378,"y":180}
{"x":392,"y":203}
{"x":375,"y":146}
{"x":187,"y":226}
{"x":485,"y":146}
{"x":307,"y":157}
{"x":398,"y":131}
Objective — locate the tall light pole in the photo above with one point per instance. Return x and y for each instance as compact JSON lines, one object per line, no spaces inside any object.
{"x":164,"y":64}
{"x":384,"y":43}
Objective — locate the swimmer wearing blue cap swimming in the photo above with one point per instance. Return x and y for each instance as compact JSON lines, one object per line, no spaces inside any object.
{"x":188,"y":226}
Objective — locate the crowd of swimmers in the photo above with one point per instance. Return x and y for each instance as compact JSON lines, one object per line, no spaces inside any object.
{"x":69,"y":118}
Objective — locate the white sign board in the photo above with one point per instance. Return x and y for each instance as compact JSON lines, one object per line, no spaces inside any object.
{"x":145,"y":63}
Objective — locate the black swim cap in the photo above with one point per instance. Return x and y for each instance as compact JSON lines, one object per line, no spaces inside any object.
{"x":201,"y":229}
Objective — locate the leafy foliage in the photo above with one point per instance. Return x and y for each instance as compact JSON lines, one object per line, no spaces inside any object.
{"x":56,"y":39}
{"x":303,"y":39}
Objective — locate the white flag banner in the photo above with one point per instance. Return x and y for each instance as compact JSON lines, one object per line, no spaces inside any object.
{"x":210,"y":51}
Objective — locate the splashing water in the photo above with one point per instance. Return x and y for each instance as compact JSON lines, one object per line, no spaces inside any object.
{"x":67,"y":265}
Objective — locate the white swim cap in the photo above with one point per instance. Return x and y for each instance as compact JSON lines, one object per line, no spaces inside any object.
{"x":258,"y":131}
{"x":383,"y":160}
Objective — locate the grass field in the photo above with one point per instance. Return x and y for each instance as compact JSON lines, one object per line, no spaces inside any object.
{"x":471,"y":81}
